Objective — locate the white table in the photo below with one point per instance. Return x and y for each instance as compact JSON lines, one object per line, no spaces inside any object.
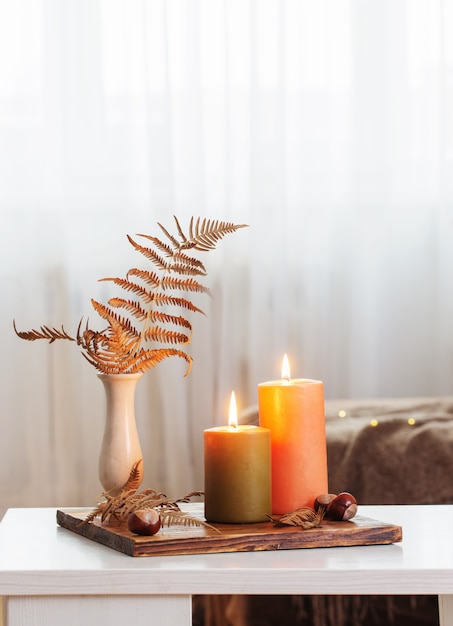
{"x":49,"y":575}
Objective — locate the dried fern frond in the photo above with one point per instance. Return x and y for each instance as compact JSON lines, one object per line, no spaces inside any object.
{"x":133,"y":307}
{"x":147,"y":359}
{"x":148,"y":277}
{"x":135,"y":477}
{"x":116,"y":323}
{"x":184,"y":284}
{"x":158,"y":243}
{"x":162,"y":299}
{"x":304,"y":517}
{"x":188,"y":497}
{"x":145,"y":294}
{"x":174,"y":242}
{"x":95,"y":513}
{"x":150,"y":254}
{"x":176,"y":517}
{"x":163,"y":335}
{"x":51,"y":334}
{"x":166,"y":318}
{"x":209,"y":232}
{"x":118,"y":508}
{"x":185,"y":264}
{"x":181,"y":263}
{"x":141,"y":362}
{"x":154,"y":317}
{"x":132,"y":324}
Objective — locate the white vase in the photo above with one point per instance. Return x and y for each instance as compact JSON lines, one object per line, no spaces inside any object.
{"x":120,"y":448}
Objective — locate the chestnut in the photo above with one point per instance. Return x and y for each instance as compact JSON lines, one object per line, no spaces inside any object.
{"x":342,"y":507}
{"x":323,"y":500}
{"x":144,"y":522}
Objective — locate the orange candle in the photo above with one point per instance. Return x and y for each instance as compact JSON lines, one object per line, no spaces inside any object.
{"x":293,"y":410}
{"x":237,"y":462}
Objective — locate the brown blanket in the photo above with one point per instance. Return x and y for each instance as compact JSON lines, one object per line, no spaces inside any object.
{"x":392,"y":452}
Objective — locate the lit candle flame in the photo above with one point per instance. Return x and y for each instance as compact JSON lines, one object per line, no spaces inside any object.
{"x":285,"y":368}
{"x":233,"y":415}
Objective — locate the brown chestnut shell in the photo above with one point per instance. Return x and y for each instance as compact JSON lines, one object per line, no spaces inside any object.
{"x":323,"y":500}
{"x":342,"y":508}
{"x":144,"y":522}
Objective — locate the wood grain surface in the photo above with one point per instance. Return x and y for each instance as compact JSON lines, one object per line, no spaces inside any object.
{"x":178,"y":540}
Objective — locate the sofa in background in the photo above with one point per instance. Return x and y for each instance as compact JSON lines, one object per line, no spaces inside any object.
{"x":393,"y":451}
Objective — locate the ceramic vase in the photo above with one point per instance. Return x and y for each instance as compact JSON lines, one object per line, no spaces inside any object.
{"x":120,"y":448}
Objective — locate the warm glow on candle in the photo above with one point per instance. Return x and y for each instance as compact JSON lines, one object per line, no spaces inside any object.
{"x":237,"y":472}
{"x":293,"y":410}
{"x":285,"y":368}
{"x":233,"y":415}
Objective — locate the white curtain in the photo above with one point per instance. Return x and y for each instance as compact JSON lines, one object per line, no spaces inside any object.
{"x":326,"y":126}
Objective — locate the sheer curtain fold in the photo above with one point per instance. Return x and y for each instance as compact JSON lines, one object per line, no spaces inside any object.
{"x":324,"y":126}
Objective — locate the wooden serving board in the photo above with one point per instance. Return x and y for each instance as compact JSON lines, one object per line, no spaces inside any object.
{"x":177,"y":540}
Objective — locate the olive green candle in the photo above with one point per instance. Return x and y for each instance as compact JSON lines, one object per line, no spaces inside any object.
{"x":237,"y":461}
